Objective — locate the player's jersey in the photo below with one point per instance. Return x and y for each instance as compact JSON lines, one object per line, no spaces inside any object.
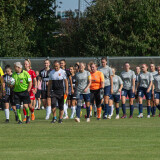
{"x":145,"y":79}
{"x":107,"y":71}
{"x":45,"y":78}
{"x":73,"y":84}
{"x":57,"y":78}
{"x":96,"y":78}
{"x":33,"y":75}
{"x":82,"y":79}
{"x":117,"y":81}
{"x":154,"y":73}
{"x":127,"y":78}
{"x":6,"y":79}
{"x":156,"y":82}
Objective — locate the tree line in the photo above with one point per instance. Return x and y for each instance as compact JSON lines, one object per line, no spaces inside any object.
{"x":108,"y":28}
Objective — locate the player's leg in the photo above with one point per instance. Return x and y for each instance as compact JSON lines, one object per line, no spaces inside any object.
{"x":107,"y":91}
{"x":148,"y":98}
{"x":124,"y":95}
{"x":140,"y":98}
{"x":110,"y":106}
{"x":131,"y":96}
{"x":54,"y":105}
{"x":73,"y":107}
{"x":48,"y":108}
{"x":78,"y":109}
{"x":87,"y":102}
{"x":7,"y":112}
{"x":156,"y":100}
{"x":61,"y":109}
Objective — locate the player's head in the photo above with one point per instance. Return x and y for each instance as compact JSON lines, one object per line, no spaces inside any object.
{"x":8,"y":69}
{"x":158,"y":69}
{"x":138,"y":69}
{"x":126,"y":66}
{"x":113,"y":70}
{"x":152,"y":67}
{"x":144,"y":67}
{"x":82,"y":66}
{"x":27,"y":64}
{"x":18,"y":67}
{"x":56,"y":65}
{"x":104,"y":61}
{"x":72,"y":69}
{"x":37,"y":73}
{"x":77,"y":66}
{"x":63,"y":63}
{"x":93,"y":67}
{"x":47,"y":63}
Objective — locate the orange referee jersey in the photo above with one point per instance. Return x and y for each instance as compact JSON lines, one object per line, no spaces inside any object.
{"x":96,"y":79}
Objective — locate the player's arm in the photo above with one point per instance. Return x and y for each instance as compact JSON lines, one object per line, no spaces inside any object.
{"x":66,"y":86}
{"x":153,"y":88}
{"x":150,"y":86}
{"x":89,"y":84}
{"x":29,"y":86}
{"x":49,"y":88}
{"x":70,"y":79}
{"x":102,"y":80}
{"x":111,"y":81}
{"x":35,"y":85}
{"x":133,"y":85}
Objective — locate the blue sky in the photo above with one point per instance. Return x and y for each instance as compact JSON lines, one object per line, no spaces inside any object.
{"x":68,"y":4}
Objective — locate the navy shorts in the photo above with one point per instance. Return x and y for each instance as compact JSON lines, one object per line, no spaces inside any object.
{"x":157,"y":95}
{"x":115,"y":98}
{"x":143,"y":91}
{"x":86,"y":97}
{"x":107,"y":90}
{"x":126,"y":92}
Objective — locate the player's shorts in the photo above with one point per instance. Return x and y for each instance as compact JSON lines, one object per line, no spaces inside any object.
{"x":95,"y":96}
{"x":128,"y":93}
{"x":22,"y":97}
{"x":143,"y":91}
{"x":38,"y":94}
{"x":71,"y":97}
{"x":156,"y":95}
{"x":9,"y":99}
{"x":44,"y":94}
{"x":115,"y":98}
{"x":107,"y":90}
{"x":32,"y":95}
{"x":57,"y":99}
{"x":86,"y":97}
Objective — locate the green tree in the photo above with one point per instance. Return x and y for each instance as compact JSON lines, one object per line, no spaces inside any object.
{"x":14,"y":41}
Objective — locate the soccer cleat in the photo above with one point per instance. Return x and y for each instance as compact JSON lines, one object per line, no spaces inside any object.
{"x":98,"y":119}
{"x":117,"y":116}
{"x":109,"y":117}
{"x":47,"y":118}
{"x":19,"y":122}
{"x":54,"y":120}
{"x":7,"y":121}
{"x":60,"y":121}
{"x":105,"y":117}
{"x":140,"y":115}
{"x":28,"y":119}
{"x":32,"y":117}
{"x":88,"y":120}
{"x":71,"y":117}
{"x":124,"y":116}
{"x":130,"y":117}
{"x":65,"y":117}
{"x":148,"y":116}
{"x":77,"y":119}
{"x":24,"y":119}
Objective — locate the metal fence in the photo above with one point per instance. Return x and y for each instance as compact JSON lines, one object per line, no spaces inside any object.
{"x":117,"y":62}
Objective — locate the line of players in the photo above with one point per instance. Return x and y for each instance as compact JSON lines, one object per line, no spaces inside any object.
{"x":99,"y":87}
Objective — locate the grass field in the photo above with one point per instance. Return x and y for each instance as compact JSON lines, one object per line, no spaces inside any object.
{"x":121,"y":139}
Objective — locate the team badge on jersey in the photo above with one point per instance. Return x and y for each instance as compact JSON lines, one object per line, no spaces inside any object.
{"x":59,"y":74}
{"x":21,"y":80}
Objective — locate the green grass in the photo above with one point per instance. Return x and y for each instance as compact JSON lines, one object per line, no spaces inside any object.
{"x":121,"y":139}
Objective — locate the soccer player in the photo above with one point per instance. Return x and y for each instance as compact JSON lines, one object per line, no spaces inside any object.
{"x":69,"y":78}
{"x":144,"y":84}
{"x":8,"y":97}
{"x":153,"y":105}
{"x":96,"y":88}
{"x":38,"y":94}
{"x":108,"y":85}
{"x":156,"y":88}
{"x":138,"y":71}
{"x":83,"y":82}
{"x":57,"y":78}
{"x":117,"y":87}
{"x":72,"y":97}
{"x":22,"y":87}
{"x":27,"y":65}
{"x":44,"y":78}
{"x":128,"y":78}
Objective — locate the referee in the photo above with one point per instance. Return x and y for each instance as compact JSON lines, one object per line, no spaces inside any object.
{"x":22,"y":87}
{"x":57,"y":78}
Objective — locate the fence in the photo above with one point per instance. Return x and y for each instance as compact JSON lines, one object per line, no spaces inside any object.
{"x":117,"y":62}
